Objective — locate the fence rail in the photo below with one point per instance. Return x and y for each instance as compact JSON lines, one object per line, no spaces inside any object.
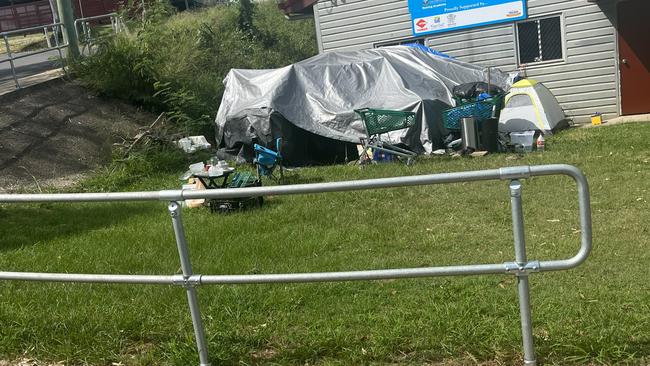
{"x":87,"y":37}
{"x":55,"y":28}
{"x":521,"y":267}
{"x":55,"y":32}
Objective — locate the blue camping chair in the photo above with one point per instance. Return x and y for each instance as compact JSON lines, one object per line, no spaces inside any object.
{"x":267,"y":160}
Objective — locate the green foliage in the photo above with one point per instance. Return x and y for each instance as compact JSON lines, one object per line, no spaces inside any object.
{"x":145,"y":165}
{"x":177,"y":62}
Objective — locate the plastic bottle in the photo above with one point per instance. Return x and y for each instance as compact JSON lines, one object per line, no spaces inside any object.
{"x":540,"y":143}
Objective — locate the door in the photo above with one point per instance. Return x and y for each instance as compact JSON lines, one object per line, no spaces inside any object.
{"x":634,"y":55}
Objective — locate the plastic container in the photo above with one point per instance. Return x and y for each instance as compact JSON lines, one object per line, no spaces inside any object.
{"x":540,"y":143}
{"x":523,"y":141}
{"x":197,"y":167}
{"x":469,"y":134}
{"x":596,"y":119}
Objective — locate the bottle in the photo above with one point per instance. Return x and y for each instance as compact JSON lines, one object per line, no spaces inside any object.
{"x":540,"y":143}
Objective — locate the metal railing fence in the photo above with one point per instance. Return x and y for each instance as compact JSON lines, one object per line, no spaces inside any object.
{"x":88,"y":37}
{"x":521,"y":267}
{"x":53,"y":32}
{"x":55,"y":29}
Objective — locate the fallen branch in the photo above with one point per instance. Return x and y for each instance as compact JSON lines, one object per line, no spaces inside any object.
{"x":142,"y":134}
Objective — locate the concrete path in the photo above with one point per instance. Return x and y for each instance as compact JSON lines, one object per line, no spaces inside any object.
{"x":30,"y":70}
{"x":621,"y":119}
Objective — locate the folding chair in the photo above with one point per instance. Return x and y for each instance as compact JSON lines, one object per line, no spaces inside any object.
{"x":267,"y":160}
{"x":380,"y":121}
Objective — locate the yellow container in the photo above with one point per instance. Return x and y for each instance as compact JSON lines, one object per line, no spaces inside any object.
{"x":596,"y":119}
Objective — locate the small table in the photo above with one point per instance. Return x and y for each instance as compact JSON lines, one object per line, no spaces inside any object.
{"x":211,"y":181}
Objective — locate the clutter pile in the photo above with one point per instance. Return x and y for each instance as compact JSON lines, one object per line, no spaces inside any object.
{"x":473,"y":122}
{"x":311,"y":104}
{"x":217,"y":174}
{"x":193,"y":143}
{"x":486,"y":119}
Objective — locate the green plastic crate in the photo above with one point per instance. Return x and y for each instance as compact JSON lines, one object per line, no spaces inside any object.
{"x":489,"y":108}
{"x":245,"y":179}
{"x":379,"y":121}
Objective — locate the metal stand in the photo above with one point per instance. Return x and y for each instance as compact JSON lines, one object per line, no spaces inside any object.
{"x":186,"y":266}
{"x":522,"y":275}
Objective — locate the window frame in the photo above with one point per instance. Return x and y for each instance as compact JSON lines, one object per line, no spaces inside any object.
{"x":562,"y":36}
{"x":400,"y":42}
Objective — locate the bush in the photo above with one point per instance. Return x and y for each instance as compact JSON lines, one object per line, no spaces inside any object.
{"x":176,"y":62}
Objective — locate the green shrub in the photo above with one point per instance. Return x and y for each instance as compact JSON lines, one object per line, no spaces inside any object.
{"x":176,"y":62}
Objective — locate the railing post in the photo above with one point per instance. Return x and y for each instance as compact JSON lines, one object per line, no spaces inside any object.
{"x":56,"y":29}
{"x":11,"y":60}
{"x":186,"y":266}
{"x":522,"y":276}
{"x":47,"y":37}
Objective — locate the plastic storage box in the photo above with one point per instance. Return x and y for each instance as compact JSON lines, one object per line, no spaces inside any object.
{"x":523,"y":141}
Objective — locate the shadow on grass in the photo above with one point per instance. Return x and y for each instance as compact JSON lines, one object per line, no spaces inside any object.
{"x":28,"y":225}
{"x":296,"y":178}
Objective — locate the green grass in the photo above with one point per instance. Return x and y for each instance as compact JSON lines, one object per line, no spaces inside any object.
{"x":596,"y":314}
{"x":25,"y":42}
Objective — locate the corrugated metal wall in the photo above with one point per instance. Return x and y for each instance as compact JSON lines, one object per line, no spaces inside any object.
{"x":585,"y":82}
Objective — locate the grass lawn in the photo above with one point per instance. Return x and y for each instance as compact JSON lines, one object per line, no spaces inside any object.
{"x":596,"y":314}
{"x":26,"y":42}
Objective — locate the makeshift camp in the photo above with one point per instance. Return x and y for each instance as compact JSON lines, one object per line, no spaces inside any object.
{"x":530,"y":106}
{"x":311,"y":104}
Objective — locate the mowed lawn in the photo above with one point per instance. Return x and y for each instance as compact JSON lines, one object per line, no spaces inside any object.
{"x":598,"y":313}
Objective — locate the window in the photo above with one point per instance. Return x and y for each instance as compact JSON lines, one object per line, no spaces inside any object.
{"x":401,"y":42}
{"x":540,"y":40}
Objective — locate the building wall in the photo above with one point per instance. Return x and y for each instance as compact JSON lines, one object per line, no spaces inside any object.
{"x":28,"y":13}
{"x":24,"y":15}
{"x":585,"y":82}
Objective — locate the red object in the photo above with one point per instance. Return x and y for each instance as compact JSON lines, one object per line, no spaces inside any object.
{"x":421,"y":23}
{"x":25,"y":15}
{"x":297,"y":6}
{"x":91,"y":8}
{"x":540,"y":143}
{"x":35,"y":13}
{"x":634,"y":53}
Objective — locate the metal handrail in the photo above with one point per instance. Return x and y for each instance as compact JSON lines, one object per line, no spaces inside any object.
{"x":520,"y":267}
{"x":56,"y":30}
{"x":116,"y":24}
{"x":25,"y":30}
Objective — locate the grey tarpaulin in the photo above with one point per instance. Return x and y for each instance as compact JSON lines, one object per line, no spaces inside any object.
{"x":319,"y":95}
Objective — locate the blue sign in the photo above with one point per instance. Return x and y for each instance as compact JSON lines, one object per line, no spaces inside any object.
{"x":433,"y":16}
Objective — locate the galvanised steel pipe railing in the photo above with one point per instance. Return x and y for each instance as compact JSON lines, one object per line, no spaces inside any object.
{"x":117,"y":25}
{"x":57,"y":28}
{"x":520,"y":267}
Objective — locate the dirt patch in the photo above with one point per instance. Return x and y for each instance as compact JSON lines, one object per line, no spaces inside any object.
{"x":55,"y":132}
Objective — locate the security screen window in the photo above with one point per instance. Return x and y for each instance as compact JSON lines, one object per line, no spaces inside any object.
{"x":540,"y":40}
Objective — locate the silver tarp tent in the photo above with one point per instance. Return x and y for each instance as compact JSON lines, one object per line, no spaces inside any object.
{"x":311,"y":104}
